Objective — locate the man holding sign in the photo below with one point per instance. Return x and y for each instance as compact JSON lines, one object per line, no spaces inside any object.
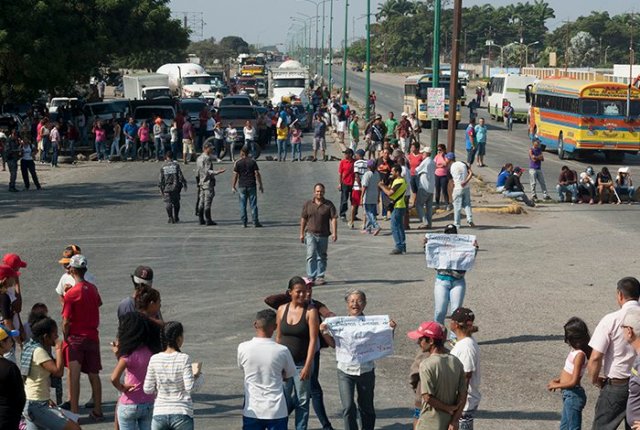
{"x":358,"y":341}
{"x":452,"y":255}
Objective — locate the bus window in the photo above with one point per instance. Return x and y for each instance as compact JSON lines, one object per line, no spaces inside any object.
{"x":635,"y":108}
{"x":611,"y":108}
{"x":589,"y":107}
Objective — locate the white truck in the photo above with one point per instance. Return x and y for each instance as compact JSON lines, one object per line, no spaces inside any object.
{"x":290,"y":79}
{"x":198,"y":84}
{"x":177,"y":71}
{"x":146,"y":87}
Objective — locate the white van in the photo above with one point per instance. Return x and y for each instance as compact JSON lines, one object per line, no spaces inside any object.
{"x":509,"y":87}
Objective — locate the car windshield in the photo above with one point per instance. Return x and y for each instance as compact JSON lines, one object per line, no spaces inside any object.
{"x":198,"y":80}
{"x":159,"y":92}
{"x":59,"y":102}
{"x":288,"y":83}
{"x":104,"y":109}
{"x":247,"y":82}
{"x":235,"y":101}
{"x":193,"y":107}
{"x":237,"y":113}
{"x":152,"y":112}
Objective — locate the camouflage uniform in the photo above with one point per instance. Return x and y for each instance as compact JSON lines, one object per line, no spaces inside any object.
{"x":171,"y":183}
{"x":206,"y":183}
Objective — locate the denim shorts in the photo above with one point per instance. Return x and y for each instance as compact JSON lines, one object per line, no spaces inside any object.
{"x":40,"y":415}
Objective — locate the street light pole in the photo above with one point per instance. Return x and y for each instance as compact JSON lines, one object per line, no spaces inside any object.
{"x":330,"y":46}
{"x":453,"y":87}
{"x":322,"y":44}
{"x":344,"y":54}
{"x":436,"y":72}
{"x":367,"y":86}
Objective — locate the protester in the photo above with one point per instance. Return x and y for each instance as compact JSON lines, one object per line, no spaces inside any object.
{"x":504,"y":174}
{"x":171,"y":183}
{"x":371,"y":194}
{"x":567,"y":183}
{"x":605,"y":185}
{"x":318,"y":221}
{"x":481,"y":139}
{"x":188,"y":137}
{"x":461,"y":174}
{"x":246,"y":175}
{"x":468,"y":352}
{"x":443,"y":163}
{"x":442,"y":380}
{"x":346,"y":179}
{"x":11,"y":155}
{"x":136,"y":345}
{"x":405,"y":131}
{"x":298,"y":331}
{"x":355,"y":377}
{"x":231,"y":134}
{"x":319,"y":139}
{"x":11,"y":301}
{"x":631,"y":331}
{"x":574,"y":399}
{"x":144,"y":136}
{"x":171,"y":378}
{"x":612,"y":358}
{"x":81,"y":318}
{"x":507,"y":114}
{"x":28,"y":166}
{"x":66,"y":280}
{"x":354,"y":133}
{"x":535,"y":170}
{"x":385,"y":164}
{"x":624,"y":184}
{"x":12,"y":395}
{"x":265,"y":364}
{"x":130,"y":130}
{"x":283,"y":137}
{"x":37,"y":366}
{"x":296,"y":142}
{"x":471,"y":141}
{"x":513,"y":188}
{"x":587,"y":185}
{"x":426,"y":183}
{"x":360,"y":169}
{"x":396,"y":193}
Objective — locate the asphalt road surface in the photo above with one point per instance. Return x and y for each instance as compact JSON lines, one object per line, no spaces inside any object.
{"x":534,"y":271}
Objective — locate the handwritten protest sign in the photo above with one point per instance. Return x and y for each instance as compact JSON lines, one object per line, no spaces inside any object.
{"x":450,"y":251}
{"x":361,"y":339}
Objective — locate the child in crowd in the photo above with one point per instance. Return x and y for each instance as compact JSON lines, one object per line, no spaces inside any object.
{"x":231,"y":134}
{"x":576,"y":334}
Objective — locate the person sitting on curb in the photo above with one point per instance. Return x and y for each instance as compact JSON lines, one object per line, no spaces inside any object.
{"x":505,"y":172}
{"x":567,"y":183}
{"x":587,"y":185}
{"x":624,"y":184}
{"x":513,"y":189}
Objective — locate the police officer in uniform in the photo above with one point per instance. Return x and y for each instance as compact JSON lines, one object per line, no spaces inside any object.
{"x":11,"y":156}
{"x":206,"y":179}
{"x":171,"y":183}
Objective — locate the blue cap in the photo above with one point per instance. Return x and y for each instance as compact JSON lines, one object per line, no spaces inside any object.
{"x":450,"y":156}
{"x":5,"y":333}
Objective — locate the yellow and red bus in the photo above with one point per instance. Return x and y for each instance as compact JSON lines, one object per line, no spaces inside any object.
{"x":582,"y":117}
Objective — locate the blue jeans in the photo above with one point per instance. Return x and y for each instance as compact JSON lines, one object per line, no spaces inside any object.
{"x":251,"y":144}
{"x":397,"y":228}
{"x":563,"y":189}
{"x":54,"y":153}
{"x":172,"y":422}
{"x":518,"y":195}
{"x":130,"y":149}
{"x":251,"y":194}
{"x":115,"y":147}
{"x":535,"y":175}
{"x":297,"y":393}
{"x":296,"y":147}
{"x":471,"y":155}
{"x":316,"y":255}
{"x":258,"y":424}
{"x":39,"y":415}
{"x":447,"y":292}
{"x":626,"y":191}
{"x":159,"y":147}
{"x":135,"y":417}
{"x":364,"y":385}
{"x":573,"y":402}
{"x":100,"y":149}
{"x":462,"y":199}
{"x":317,"y":396}
{"x":371,"y":210}
{"x":46,"y":145}
{"x":282,"y":149}
{"x":72,"y":149}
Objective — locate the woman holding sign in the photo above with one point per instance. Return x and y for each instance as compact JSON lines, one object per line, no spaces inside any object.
{"x":354,"y":376}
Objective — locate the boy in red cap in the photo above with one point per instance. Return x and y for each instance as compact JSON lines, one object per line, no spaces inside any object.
{"x":442,"y":380}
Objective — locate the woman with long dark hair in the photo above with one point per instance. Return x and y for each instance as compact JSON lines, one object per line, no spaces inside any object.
{"x":136,"y":345}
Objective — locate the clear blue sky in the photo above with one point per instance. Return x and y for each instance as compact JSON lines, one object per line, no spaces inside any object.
{"x":266,"y":22}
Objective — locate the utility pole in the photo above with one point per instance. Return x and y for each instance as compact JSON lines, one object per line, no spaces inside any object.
{"x":330,"y":46}
{"x":344,"y":54}
{"x":631,"y":61}
{"x":435,"y":124}
{"x":453,"y":86}
{"x":367,"y":85}
{"x":322,"y":47}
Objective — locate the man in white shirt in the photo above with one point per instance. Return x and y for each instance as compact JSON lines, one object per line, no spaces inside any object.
{"x":426,"y":172}
{"x":265,"y":364}
{"x":611,"y":360}
{"x":461,"y":174}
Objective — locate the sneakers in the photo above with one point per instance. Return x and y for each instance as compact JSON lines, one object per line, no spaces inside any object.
{"x":257,"y":225}
{"x":471,"y":224}
{"x":320,"y":281}
{"x":396,"y":251}
{"x":376,"y":231}
{"x":546,"y":197}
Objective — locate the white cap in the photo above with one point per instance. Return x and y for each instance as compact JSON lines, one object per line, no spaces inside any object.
{"x":404,"y":114}
{"x":78,"y":261}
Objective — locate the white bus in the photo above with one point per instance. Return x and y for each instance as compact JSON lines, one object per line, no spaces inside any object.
{"x":509,"y":87}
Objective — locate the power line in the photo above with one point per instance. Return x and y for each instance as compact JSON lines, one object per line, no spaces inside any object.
{"x":192,"y":21}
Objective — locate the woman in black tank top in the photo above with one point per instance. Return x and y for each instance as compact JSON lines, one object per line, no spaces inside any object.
{"x":298,"y":327}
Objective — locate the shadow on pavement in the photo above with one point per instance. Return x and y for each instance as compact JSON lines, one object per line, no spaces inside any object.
{"x":374,"y":281}
{"x":523,"y":338}
{"x":518,"y":415}
{"x":501,"y":227}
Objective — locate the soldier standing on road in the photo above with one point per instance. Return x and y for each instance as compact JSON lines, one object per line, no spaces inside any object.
{"x":612,"y":358}
{"x":535,"y":170}
{"x":11,"y":155}
{"x":206,"y":178}
{"x":319,"y":220}
{"x":171,"y":183}
{"x":246,"y":175}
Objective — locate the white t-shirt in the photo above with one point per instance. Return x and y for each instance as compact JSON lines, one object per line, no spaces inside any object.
{"x":249,"y":134}
{"x":360,"y":167}
{"x":174,"y":133}
{"x":468,"y":353}
{"x":370,"y":182}
{"x":426,"y":172}
{"x":459,"y":173}
{"x":68,"y":279}
{"x":264,"y":363}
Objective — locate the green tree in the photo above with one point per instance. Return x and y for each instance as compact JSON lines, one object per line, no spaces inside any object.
{"x":234,"y":44}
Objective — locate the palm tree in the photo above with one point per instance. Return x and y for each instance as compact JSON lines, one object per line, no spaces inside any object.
{"x":386,"y":10}
{"x":542,"y":12}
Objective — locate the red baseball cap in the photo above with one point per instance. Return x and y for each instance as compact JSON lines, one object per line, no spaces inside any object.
{"x":14,"y":261}
{"x":430,"y":329}
{"x":7,"y":272}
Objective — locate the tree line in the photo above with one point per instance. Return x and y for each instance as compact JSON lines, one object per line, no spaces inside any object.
{"x":402,"y":35}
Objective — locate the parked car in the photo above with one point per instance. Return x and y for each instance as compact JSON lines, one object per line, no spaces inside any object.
{"x":193,"y":107}
{"x":10,"y":121}
{"x":151,"y":112}
{"x":237,"y":116}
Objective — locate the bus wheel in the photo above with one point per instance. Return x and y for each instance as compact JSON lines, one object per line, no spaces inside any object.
{"x":561,"y":152}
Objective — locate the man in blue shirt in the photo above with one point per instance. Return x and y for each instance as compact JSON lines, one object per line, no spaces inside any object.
{"x":470,"y":139}
{"x":130,"y":133}
{"x":481,"y":141}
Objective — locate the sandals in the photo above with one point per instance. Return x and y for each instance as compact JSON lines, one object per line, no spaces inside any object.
{"x":96,"y":417}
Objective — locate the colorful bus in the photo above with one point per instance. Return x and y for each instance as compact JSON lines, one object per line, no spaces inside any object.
{"x":415,"y":97}
{"x":581,"y":117}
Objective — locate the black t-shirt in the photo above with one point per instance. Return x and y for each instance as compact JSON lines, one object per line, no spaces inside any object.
{"x":6,"y":312}
{"x":12,"y":396}
{"x":246,"y":169}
